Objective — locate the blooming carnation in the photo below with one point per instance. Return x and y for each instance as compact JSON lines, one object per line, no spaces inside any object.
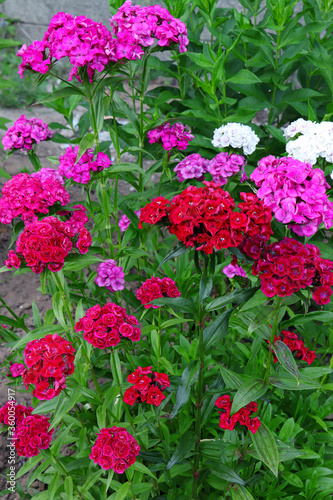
{"x":297,"y":127}
{"x":224,"y":165}
{"x":46,"y":243}
{"x":115,"y":449}
{"x":26,"y":195}
{"x":311,"y":141}
{"x":13,"y":414}
{"x":45,"y":174}
{"x":287,"y":266}
{"x":49,"y":361}
{"x":110,"y":276}
{"x":295,"y":345}
{"x":192,"y":167}
{"x":124,"y":221}
{"x":103,"y":326}
{"x":234,"y":269}
{"x":80,"y":171}
{"x":16,"y":369}
{"x":237,"y":136}
{"x":295,"y":192}
{"x":204,"y":217}
{"x":32,"y":435}
{"x":76,"y":218}
{"x":242,"y":416}
{"x":156,"y":288}
{"x":171,"y":136}
{"x":25,"y":133}
{"x":144,"y":388}
{"x":134,"y":24}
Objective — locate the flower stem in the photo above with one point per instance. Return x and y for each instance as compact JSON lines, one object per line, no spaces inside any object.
{"x":271,"y":342}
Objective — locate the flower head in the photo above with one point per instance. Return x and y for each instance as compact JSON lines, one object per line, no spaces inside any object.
{"x":25,"y":133}
{"x":110,"y":276}
{"x":171,"y":136}
{"x":237,"y":136}
{"x":32,"y":435}
{"x":156,"y":288}
{"x":192,"y":167}
{"x":81,"y":171}
{"x":144,"y":388}
{"x":242,"y":416}
{"x":115,"y":449}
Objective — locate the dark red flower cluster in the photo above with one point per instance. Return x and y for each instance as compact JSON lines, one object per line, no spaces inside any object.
{"x":49,"y":361}
{"x":242,"y":416}
{"x":47,"y":243}
{"x":115,"y":449}
{"x":146,"y":388}
{"x":13,"y":414}
{"x":102,"y":326}
{"x":295,"y":345}
{"x":204,"y":218}
{"x":287,"y":266}
{"x":156,"y":288}
{"x":32,"y":435}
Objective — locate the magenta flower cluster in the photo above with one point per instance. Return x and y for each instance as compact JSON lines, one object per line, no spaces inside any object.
{"x":192,"y":167}
{"x":137,"y":25}
{"x":225,"y":165}
{"x":124,"y":221}
{"x":48,"y":173}
{"x":80,"y":171}
{"x":234,"y":269}
{"x":171,"y":136}
{"x":25,"y":133}
{"x":110,"y":276}
{"x":26,"y":195}
{"x":295,"y":192}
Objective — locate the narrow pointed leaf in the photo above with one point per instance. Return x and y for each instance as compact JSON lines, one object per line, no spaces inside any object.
{"x":238,"y":492}
{"x":205,"y":287}
{"x":86,"y":142}
{"x":250,"y":391}
{"x":266,"y":447}
{"x":217,"y":330}
{"x":225,"y":473}
{"x":184,"y":446}
{"x":236,"y":297}
{"x":188,"y":378}
{"x":175,"y":252}
{"x":285,"y":357}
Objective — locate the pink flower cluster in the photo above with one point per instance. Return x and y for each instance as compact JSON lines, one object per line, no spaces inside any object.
{"x":49,"y":361}
{"x":102,"y":326}
{"x":145,"y":388}
{"x":192,"y":167}
{"x":32,"y":435}
{"x":234,"y":269}
{"x":224,"y":165}
{"x":287,"y":266}
{"x":242,"y":416}
{"x":156,"y":288}
{"x":16,"y":369}
{"x":25,"y":133}
{"x":26,"y":195}
{"x":110,"y":276}
{"x":76,"y":218}
{"x":138,"y":26}
{"x":171,"y":136}
{"x":80,"y":171}
{"x":124,"y":221}
{"x":295,"y":192}
{"x":47,"y":243}
{"x":13,"y":414}
{"x":115,"y":449}
{"x":45,"y":174}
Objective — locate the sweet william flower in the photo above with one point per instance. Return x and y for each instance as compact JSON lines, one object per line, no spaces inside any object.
{"x":147,"y":386}
{"x":237,"y":136}
{"x":25,"y":133}
{"x":115,"y":449}
{"x":156,"y":288}
{"x":32,"y":435}
{"x":242,"y":416}
{"x":171,"y":136}
{"x":110,"y":276}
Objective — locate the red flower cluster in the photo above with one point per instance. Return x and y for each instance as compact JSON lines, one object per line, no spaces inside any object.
{"x":204,"y":218}
{"x":295,"y":345}
{"x":49,"y":361}
{"x":287,"y":266}
{"x":242,"y":416}
{"x":146,"y":388}
{"x":102,"y":326}
{"x":115,"y":449}
{"x":47,"y":243}
{"x":156,"y":288}
{"x":32,"y":435}
{"x":13,"y":414}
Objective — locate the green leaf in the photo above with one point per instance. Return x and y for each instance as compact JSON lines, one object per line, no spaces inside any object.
{"x":188,"y":378}
{"x":86,"y":142}
{"x":64,"y":405}
{"x":58,"y":94}
{"x":225,"y":473}
{"x":177,"y":304}
{"x":127,"y":111}
{"x":4,"y":43}
{"x":292,"y":479}
{"x":30,"y":464}
{"x":5,"y":174}
{"x":284,"y":355}
{"x":235,"y":297}
{"x":300,"y":319}
{"x":200,"y":60}
{"x":92,"y":479}
{"x":217,"y":330}
{"x":183,"y":448}
{"x":265,"y":445}
{"x":205,"y":287}
{"x":142,"y":468}
{"x":249,"y":391}
{"x":122,"y":492}
{"x":38,"y":334}
{"x":245,"y":77}
{"x":77,"y":262}
{"x":287,"y":381}
{"x":232,"y":379}
{"x":68,"y":487}
{"x":238,"y":492}
{"x":175,"y":252}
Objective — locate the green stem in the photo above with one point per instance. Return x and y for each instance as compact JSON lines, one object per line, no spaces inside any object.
{"x":141,"y":138}
{"x":77,"y":411}
{"x":94,"y":126}
{"x":55,"y":460}
{"x":271,"y":342}
{"x":165,"y":160}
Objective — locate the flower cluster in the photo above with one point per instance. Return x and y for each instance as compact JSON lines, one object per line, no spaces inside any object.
{"x":110,"y":276}
{"x":16,"y":369}
{"x":25,"y":133}
{"x":192,"y":167}
{"x":287,"y":266}
{"x":138,"y":26}
{"x":26,"y":195}
{"x":76,"y":218}
{"x":242,"y":416}
{"x":295,"y":192}
{"x":47,"y":243}
{"x":156,"y":288}
{"x":124,"y":221}
{"x":49,"y":361}
{"x":295,"y":345}
{"x":102,"y":326}
{"x":81,"y":171}
{"x":171,"y":136}
{"x":204,"y":218}
{"x":234,"y":269}
{"x":44,"y":174}
{"x":115,"y":449}
{"x":32,"y":435}
{"x":225,"y":165}
{"x":145,"y":388}
{"x":237,"y":136}
{"x":311,"y":141}
{"x":13,"y":414}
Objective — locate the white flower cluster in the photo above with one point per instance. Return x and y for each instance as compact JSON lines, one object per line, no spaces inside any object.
{"x":237,"y":136}
{"x":315,"y":140}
